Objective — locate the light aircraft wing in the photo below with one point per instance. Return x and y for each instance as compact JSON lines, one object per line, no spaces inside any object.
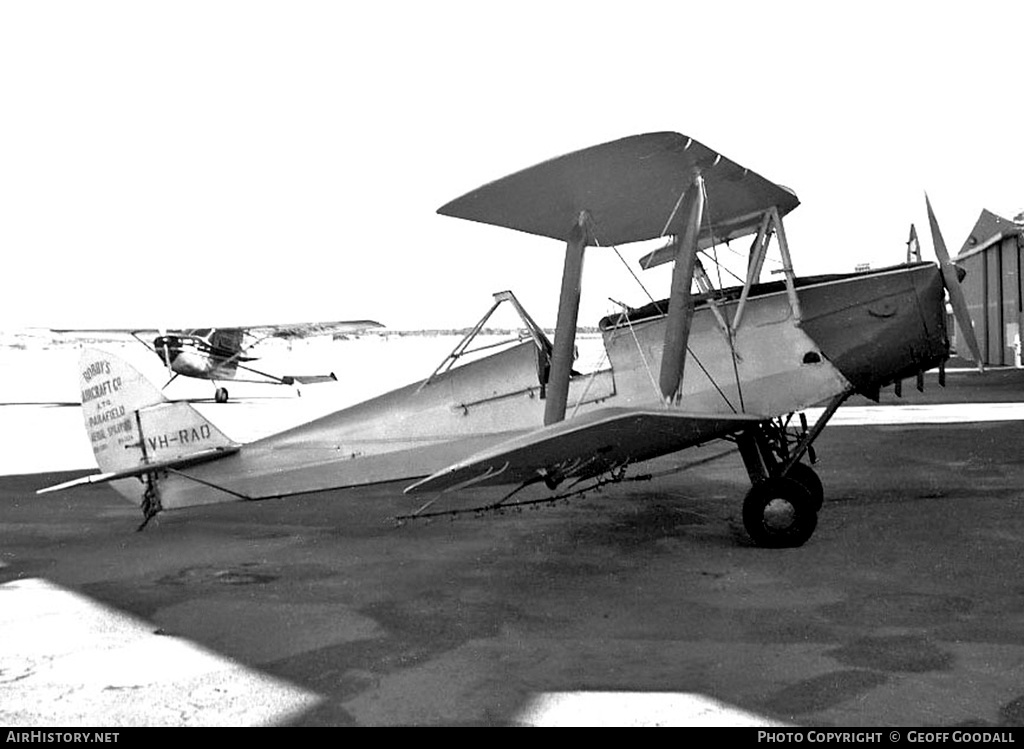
{"x":309,"y":329}
{"x":277,"y":330}
{"x":88,"y":332}
{"x":631,"y":187}
{"x":585,"y":447}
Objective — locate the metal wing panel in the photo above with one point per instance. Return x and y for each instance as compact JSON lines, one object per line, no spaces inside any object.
{"x":585,"y":447}
{"x":279,"y":330}
{"x":630,"y":187}
{"x":309,"y":329}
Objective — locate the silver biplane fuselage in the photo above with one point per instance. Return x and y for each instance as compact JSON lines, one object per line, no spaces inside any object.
{"x":857,"y":333}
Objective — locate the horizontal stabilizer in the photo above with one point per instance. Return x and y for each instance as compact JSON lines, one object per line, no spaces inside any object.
{"x":310,"y":379}
{"x":631,"y":188}
{"x":585,"y":447}
{"x":99,"y":478}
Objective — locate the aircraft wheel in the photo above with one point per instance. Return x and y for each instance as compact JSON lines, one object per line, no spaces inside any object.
{"x":779,"y":513}
{"x":807,"y":476}
{"x":221,"y":396}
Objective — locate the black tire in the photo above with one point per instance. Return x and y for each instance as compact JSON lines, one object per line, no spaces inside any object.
{"x":221,"y":395}
{"x":807,"y":476}
{"x":779,"y":513}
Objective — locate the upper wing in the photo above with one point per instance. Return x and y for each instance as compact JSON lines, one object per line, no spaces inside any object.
{"x":100,"y":331}
{"x":280,"y":330}
{"x":309,"y":329}
{"x":584,"y":447}
{"x":631,"y":188}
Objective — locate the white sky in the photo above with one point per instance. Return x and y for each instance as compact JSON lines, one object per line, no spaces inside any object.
{"x":176,"y":163}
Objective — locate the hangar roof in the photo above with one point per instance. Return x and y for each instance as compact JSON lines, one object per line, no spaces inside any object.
{"x":989,"y":229}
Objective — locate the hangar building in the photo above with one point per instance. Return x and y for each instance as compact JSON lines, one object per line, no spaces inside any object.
{"x":993,"y":288}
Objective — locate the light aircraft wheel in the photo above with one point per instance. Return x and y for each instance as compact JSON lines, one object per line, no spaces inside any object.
{"x":807,"y":476}
{"x":221,"y":395}
{"x":779,"y":512}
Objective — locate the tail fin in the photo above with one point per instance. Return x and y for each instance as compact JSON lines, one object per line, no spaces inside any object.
{"x":130,"y":423}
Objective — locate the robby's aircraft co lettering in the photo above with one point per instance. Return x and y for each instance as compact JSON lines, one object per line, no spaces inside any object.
{"x":112,"y":430}
{"x":103,"y":417}
{"x":181,"y":437}
{"x":96,"y":369}
{"x":101,"y":388}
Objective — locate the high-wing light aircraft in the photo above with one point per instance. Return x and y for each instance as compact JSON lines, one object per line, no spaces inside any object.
{"x":730,"y":364}
{"x":219,"y":354}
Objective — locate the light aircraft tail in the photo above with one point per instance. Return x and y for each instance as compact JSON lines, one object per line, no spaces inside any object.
{"x":134,"y":430}
{"x":129,"y":422}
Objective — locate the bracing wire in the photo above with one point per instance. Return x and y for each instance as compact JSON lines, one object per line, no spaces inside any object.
{"x":711,"y":231}
{"x":643,"y":358}
{"x":629,"y":323}
{"x":714,"y":259}
{"x":730,"y":333}
{"x":635,"y":276}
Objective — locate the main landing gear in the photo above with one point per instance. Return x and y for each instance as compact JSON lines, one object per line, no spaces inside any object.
{"x":780,"y":512}
{"x":781,"y":508}
{"x":220,"y":395}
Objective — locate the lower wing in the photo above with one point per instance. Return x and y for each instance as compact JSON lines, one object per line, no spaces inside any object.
{"x":585,"y":447}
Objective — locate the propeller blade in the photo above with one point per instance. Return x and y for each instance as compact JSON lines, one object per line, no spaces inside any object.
{"x":956,"y":294}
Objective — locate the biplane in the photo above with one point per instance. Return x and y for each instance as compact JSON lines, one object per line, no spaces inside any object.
{"x":220,"y":354}
{"x":730,"y":363}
